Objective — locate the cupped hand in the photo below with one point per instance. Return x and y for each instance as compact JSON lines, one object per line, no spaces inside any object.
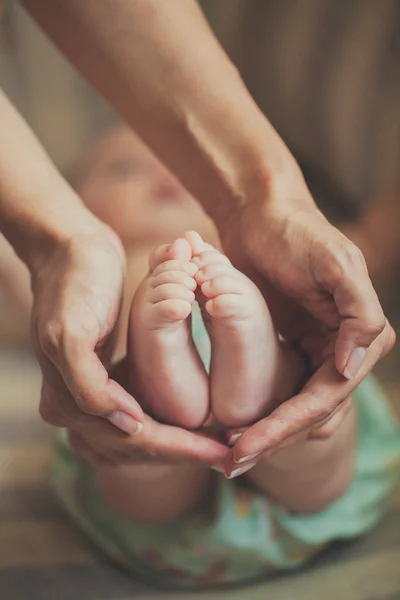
{"x":77,"y":294}
{"x":101,"y":444}
{"x":317,"y":287}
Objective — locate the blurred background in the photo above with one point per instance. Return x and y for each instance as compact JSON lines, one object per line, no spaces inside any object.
{"x":327,"y":74}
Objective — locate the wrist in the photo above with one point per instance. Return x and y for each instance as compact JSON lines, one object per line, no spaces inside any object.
{"x":37,"y":233}
{"x":263,"y":176}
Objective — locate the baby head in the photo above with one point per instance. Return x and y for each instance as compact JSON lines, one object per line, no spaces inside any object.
{"x":129,"y":189}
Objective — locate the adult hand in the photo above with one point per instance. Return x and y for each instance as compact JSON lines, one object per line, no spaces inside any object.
{"x":101,"y":444}
{"x":317,"y":286}
{"x":77,"y":292}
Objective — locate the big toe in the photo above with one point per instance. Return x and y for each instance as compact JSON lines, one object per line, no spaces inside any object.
{"x":195,"y":240}
{"x":180,"y":249}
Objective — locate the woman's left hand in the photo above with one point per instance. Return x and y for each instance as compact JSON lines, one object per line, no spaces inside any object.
{"x":295,"y":420}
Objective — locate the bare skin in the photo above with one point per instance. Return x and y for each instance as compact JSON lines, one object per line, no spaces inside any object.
{"x":171,"y":376}
{"x":248,"y":364}
{"x":247,"y":360}
{"x":196,"y":108}
{"x":147,"y":489}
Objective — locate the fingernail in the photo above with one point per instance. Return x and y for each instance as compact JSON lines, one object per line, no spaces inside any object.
{"x":245,"y":458}
{"x":241,"y":470}
{"x":218,"y":469}
{"x":125,"y":422}
{"x":234,"y":438}
{"x":354,"y":363}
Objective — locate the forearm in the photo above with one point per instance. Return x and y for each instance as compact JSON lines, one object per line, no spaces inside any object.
{"x":14,"y":278}
{"x":160,"y":66}
{"x":38,"y":209}
{"x":309,"y":476}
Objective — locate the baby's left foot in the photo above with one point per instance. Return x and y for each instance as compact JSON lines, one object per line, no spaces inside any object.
{"x":245,"y":348}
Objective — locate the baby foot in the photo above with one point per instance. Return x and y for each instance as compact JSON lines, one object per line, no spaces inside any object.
{"x":245,"y":348}
{"x":171,"y":375}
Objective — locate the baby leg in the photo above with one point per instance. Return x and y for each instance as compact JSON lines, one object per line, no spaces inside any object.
{"x":313,"y":473}
{"x":154,"y":494}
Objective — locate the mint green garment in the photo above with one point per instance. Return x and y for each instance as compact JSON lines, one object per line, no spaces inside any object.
{"x":247,"y":536}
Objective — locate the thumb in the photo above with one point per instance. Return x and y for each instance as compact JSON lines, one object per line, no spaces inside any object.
{"x":90,"y":389}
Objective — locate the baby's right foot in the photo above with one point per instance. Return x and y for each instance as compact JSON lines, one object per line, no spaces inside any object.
{"x":170,"y":373}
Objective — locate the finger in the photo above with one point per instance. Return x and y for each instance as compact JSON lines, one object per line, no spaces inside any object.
{"x":81,"y":377}
{"x":233,"y":466}
{"x":65,"y":413}
{"x":169,"y":442}
{"x":84,"y":450}
{"x":98,"y":395}
{"x":329,"y":427}
{"x":349,"y":359}
{"x":345,"y":275}
{"x":232,"y":435}
{"x":324,"y":392}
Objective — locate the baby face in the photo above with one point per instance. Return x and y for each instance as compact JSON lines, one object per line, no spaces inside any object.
{"x":129,"y":189}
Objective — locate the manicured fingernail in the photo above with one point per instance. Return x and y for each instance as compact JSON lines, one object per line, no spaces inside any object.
{"x":354,"y":363}
{"x":218,"y":469}
{"x":234,"y":438}
{"x":245,"y":458}
{"x":125,"y":422}
{"x":241,"y":470}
